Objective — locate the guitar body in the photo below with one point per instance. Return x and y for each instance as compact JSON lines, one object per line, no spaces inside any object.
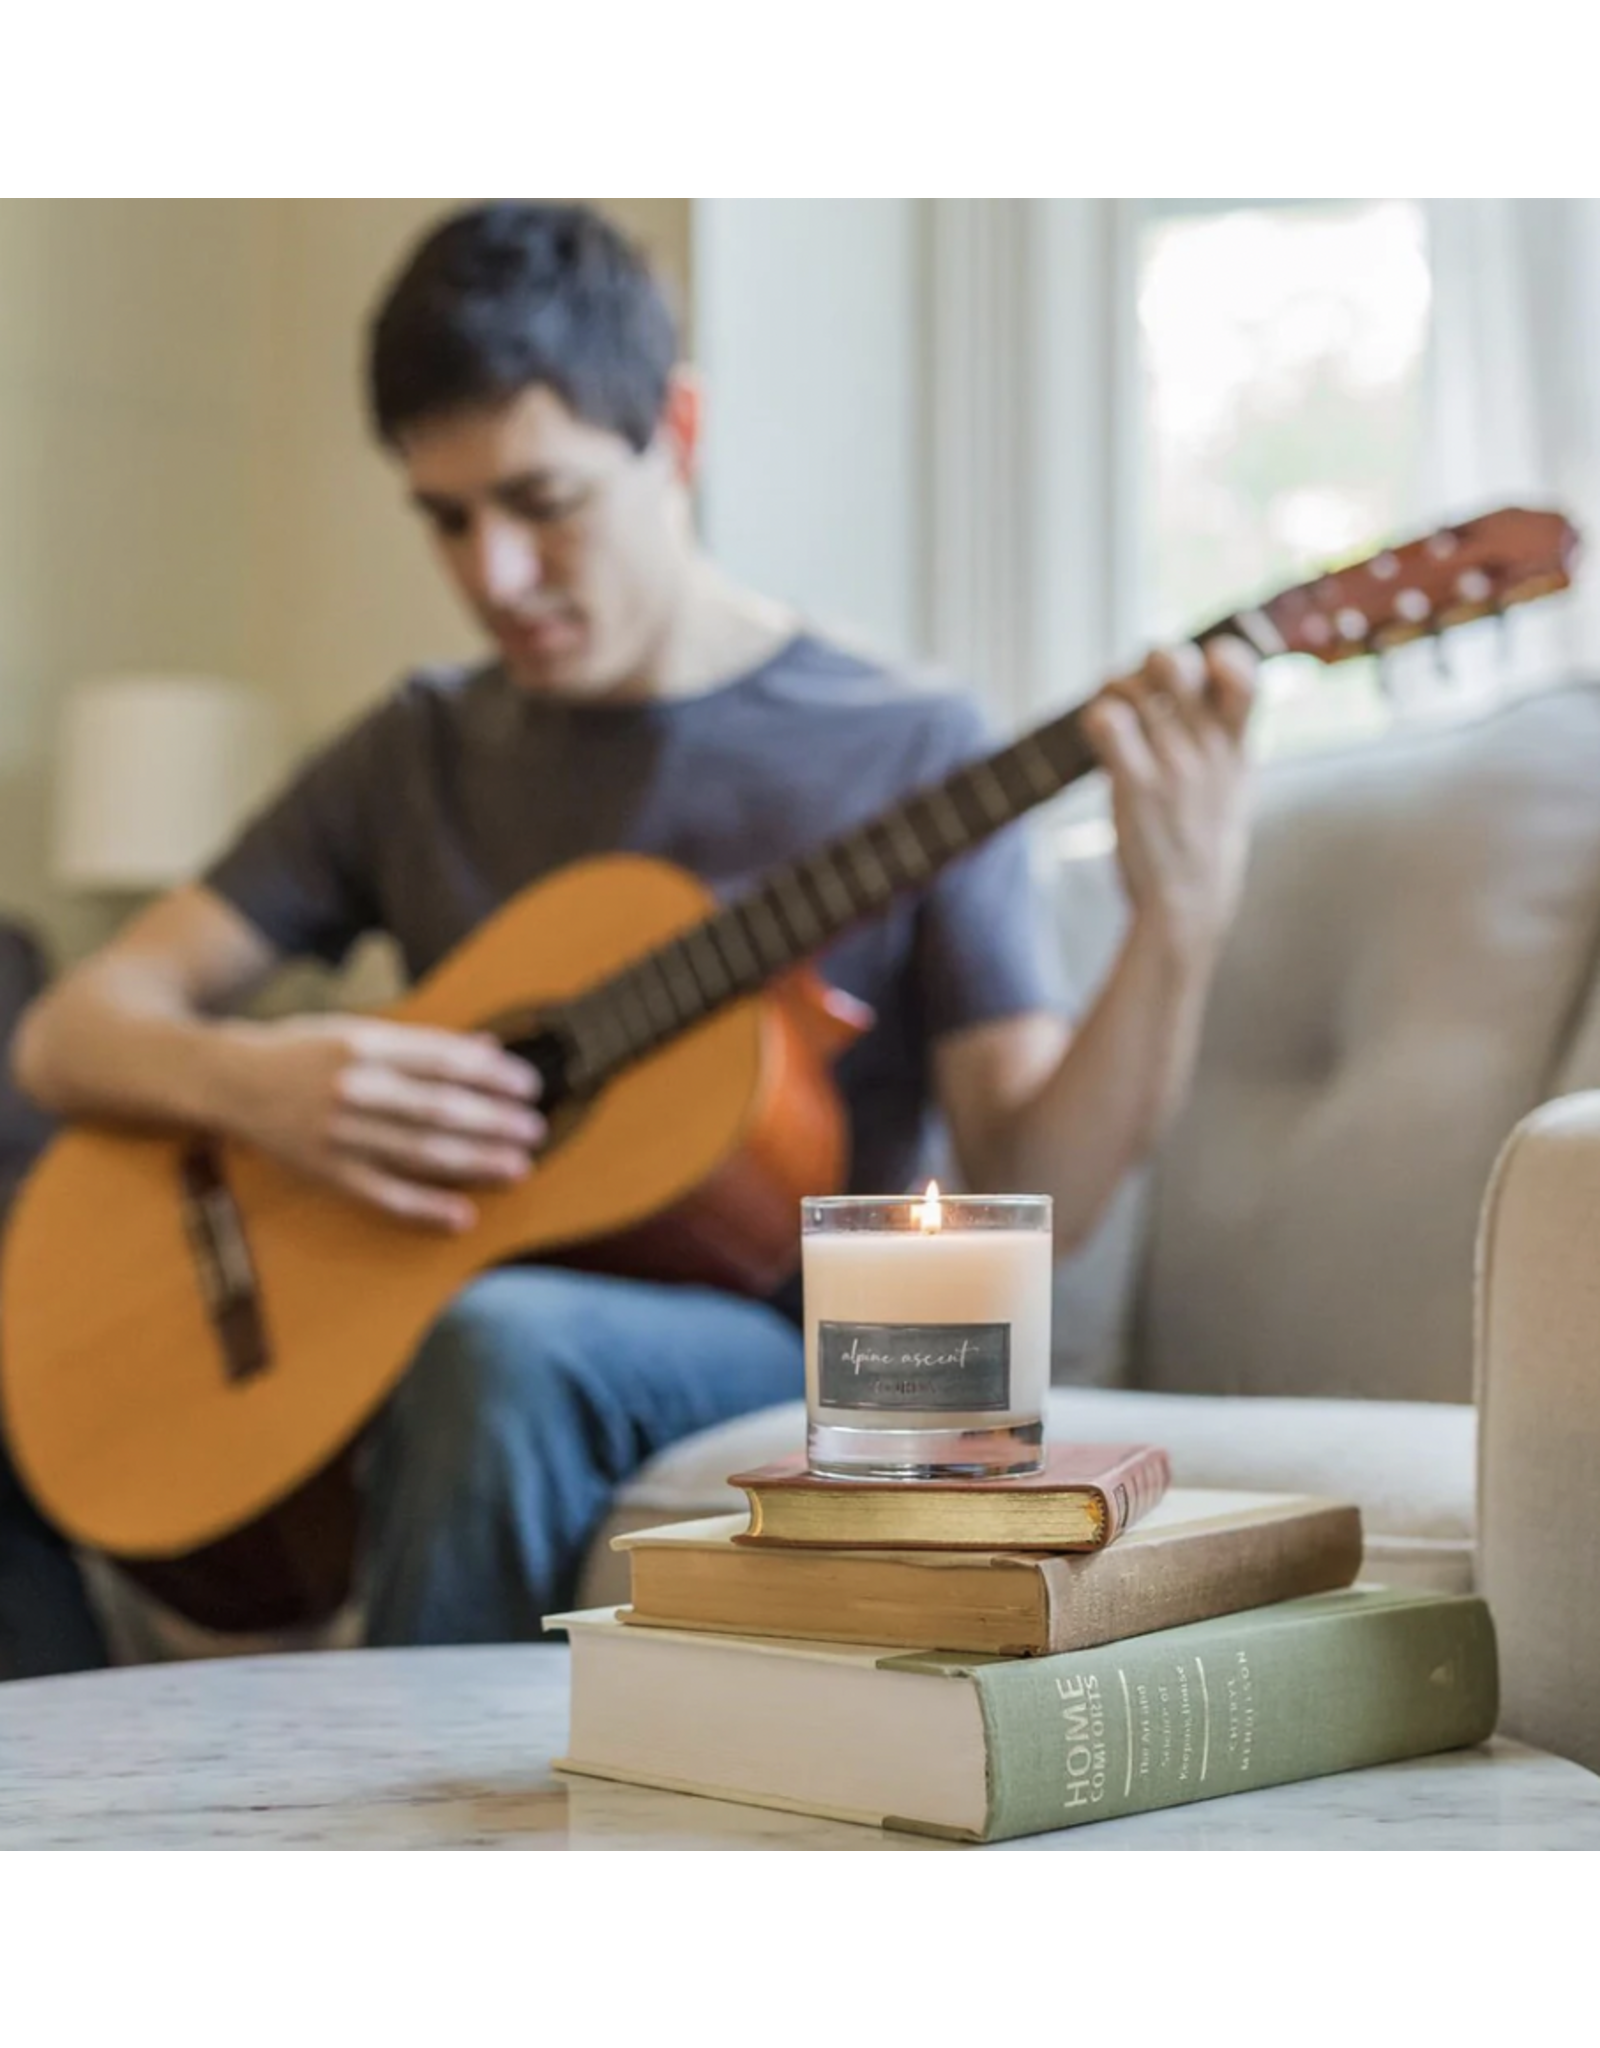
{"x":119,"y":1404}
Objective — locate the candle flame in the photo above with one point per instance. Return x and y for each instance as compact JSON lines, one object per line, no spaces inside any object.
{"x":929,"y":1212}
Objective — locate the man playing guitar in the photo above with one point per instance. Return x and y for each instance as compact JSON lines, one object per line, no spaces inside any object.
{"x":523,"y":374}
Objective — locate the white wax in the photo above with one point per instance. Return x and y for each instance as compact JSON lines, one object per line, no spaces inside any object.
{"x":936,"y":1277}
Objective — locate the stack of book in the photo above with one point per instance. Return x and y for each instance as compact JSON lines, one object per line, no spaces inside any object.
{"x":1002,"y":1657}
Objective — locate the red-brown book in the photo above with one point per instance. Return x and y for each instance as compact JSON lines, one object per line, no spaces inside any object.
{"x":1082,"y":1500}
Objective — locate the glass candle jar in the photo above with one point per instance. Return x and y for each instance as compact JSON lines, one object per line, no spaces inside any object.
{"x":927,"y":1327}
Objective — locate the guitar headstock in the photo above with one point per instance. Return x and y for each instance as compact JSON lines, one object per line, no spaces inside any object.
{"x":1428,"y":585}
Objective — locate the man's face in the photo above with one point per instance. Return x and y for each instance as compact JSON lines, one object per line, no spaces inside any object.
{"x":572,"y":549}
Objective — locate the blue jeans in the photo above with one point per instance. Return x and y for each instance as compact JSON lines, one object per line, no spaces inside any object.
{"x":535,"y":1395}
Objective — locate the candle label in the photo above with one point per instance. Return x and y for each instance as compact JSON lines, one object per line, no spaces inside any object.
{"x":959,"y":1366}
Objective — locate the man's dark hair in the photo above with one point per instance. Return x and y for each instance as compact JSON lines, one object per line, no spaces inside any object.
{"x":517,"y":293}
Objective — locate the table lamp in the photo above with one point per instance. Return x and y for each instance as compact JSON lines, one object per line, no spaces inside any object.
{"x":154,"y":774}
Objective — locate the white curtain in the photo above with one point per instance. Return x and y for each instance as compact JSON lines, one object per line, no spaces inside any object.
{"x":1514,"y":411}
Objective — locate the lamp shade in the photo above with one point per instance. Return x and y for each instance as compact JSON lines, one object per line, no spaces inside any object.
{"x":154,"y":775}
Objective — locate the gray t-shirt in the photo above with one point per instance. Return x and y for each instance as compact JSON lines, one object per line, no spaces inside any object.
{"x":460,"y":789}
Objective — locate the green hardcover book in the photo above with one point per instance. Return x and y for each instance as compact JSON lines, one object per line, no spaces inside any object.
{"x":987,"y":1748}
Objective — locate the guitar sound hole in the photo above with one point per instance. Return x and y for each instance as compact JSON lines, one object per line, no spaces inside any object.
{"x":550,"y":1052}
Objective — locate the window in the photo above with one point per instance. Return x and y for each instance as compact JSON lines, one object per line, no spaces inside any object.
{"x":1282,"y":353}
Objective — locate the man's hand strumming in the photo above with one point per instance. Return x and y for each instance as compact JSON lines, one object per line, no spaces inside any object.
{"x":403,"y":1116}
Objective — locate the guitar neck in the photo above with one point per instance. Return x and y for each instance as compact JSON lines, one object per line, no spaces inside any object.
{"x":801,"y":907}
{"x":1430,"y":584}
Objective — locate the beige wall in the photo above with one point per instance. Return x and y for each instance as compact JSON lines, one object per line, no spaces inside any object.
{"x":185,"y":477}
{"x":131,"y":361}
{"x":350,"y":599}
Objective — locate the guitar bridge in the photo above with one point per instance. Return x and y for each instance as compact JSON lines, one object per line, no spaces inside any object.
{"x":223,"y":1264}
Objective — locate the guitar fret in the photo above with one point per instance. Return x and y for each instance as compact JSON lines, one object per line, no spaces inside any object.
{"x":836,"y":898}
{"x":952,"y":826}
{"x":990,"y":791}
{"x":912,"y":854}
{"x":601,"y":1044}
{"x":770,"y":911}
{"x":586,"y":1021}
{"x":1035,"y":763}
{"x":731,"y":923}
{"x":1066,"y":749}
{"x":1014,"y":779}
{"x":787,"y":893}
{"x":632,"y":998}
{"x":864,"y":859}
{"x":657,"y":1002}
{"x":728,"y":928}
{"x":758,"y":906}
{"x":680,"y":979}
{"x":621,"y":1039}
{"x":821,"y":907}
{"x":715,"y":984}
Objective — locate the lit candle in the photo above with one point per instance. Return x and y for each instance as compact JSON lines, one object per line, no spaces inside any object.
{"x":927,"y":1333}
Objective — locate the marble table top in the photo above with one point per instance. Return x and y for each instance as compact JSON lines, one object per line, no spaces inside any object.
{"x":451,"y":1749}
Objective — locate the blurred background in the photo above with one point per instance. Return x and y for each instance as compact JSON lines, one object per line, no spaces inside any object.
{"x":1015,"y":438}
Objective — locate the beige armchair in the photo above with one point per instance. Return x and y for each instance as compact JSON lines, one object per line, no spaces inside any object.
{"x":1538,"y":1392}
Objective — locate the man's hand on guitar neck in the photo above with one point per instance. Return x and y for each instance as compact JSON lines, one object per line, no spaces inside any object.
{"x":1171,"y":738}
{"x":399,"y":1115}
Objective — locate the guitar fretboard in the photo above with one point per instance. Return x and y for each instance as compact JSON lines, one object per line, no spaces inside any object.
{"x":1440,"y":579}
{"x":804,"y":905}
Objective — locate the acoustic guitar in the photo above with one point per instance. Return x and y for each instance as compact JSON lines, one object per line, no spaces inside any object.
{"x":192,"y":1336}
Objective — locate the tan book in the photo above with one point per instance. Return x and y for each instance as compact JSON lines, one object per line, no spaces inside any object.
{"x":1197,"y":1553}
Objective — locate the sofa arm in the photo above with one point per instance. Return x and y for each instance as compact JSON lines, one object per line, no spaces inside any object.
{"x":1538,"y":1394}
